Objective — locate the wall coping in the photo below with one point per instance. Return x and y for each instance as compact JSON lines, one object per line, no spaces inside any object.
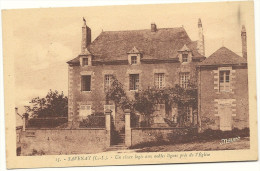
{"x":65,"y":129}
{"x":167,"y":128}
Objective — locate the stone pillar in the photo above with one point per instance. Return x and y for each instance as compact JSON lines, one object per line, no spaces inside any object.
{"x":108,"y":126}
{"x":128,"y":132}
{"x":25,"y":120}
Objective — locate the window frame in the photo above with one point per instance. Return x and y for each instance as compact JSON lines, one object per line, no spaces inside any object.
{"x":223,"y":82}
{"x":84,"y":87}
{"x":135,"y":82}
{"x":87,"y":113}
{"x":186,"y":57}
{"x":107,"y":86}
{"x":85,"y":60}
{"x":184,"y":83}
{"x":159,"y":80}
{"x":135,"y":60}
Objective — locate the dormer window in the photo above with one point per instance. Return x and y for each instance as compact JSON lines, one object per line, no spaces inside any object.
{"x":134,"y":56}
{"x":184,"y":57}
{"x":185,"y":54}
{"x":133,"y":60}
{"x":85,"y":58}
{"x":85,"y":61}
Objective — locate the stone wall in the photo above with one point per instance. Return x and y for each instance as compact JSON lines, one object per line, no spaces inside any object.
{"x":63,"y":141}
{"x":144,"y":135}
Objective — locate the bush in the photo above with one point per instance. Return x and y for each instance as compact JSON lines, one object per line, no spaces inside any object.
{"x":46,"y":122}
{"x":96,"y":120}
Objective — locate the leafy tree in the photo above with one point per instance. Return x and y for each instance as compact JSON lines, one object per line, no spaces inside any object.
{"x":55,"y":104}
{"x":145,"y":101}
{"x":117,"y":94}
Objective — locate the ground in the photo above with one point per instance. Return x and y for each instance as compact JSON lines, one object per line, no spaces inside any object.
{"x":242,"y":143}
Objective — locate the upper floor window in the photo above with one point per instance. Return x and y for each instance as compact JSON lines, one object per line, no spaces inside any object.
{"x":224,"y":81}
{"x":184,"y":79}
{"x":184,"y":57}
{"x":86,"y":83}
{"x":133,"y":60}
{"x":108,"y":81}
{"x":134,"y":82}
{"x":84,"y":61}
{"x":159,"y":80}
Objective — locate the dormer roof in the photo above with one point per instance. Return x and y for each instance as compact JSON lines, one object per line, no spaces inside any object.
{"x":134,"y":51}
{"x":86,"y":52}
{"x":184,"y":48}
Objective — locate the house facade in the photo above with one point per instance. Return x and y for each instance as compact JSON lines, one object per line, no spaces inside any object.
{"x":157,"y":57}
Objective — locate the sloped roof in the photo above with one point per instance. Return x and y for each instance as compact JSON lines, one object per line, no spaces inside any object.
{"x":223,"y":56}
{"x":162,"y":44}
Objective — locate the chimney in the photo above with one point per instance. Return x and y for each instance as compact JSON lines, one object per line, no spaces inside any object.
{"x":16,"y":110}
{"x":200,"y":44}
{"x":86,"y":36}
{"x":153,"y":27}
{"x":244,"y":43}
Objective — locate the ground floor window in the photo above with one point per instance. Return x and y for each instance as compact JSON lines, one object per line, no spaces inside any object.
{"x":185,"y":115}
{"x":84,"y":111}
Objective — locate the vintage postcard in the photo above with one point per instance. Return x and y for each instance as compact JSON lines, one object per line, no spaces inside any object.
{"x":133,"y":84}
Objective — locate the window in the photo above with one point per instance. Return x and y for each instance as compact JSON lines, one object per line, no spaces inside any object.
{"x":133,"y":59}
{"x":85,"y":111}
{"x":185,"y":112}
{"x":108,"y":81}
{"x":224,"y":81}
{"x":184,"y":57}
{"x":184,"y":79}
{"x":159,"y":80}
{"x":84,"y":61}
{"x":134,"y":81}
{"x":85,"y":83}
{"x":159,"y":110}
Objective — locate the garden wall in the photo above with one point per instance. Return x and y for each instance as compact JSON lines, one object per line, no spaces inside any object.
{"x":144,"y":135}
{"x":63,"y":141}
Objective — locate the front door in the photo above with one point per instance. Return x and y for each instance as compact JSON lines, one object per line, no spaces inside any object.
{"x":225,"y":112}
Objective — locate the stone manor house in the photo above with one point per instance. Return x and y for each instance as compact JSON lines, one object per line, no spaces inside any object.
{"x":160,"y":57}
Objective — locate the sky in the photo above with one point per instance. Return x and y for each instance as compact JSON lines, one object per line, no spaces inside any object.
{"x":43,"y":40}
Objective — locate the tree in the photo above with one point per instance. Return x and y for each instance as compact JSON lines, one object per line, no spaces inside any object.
{"x":117,"y":94}
{"x":146,"y":100}
{"x":55,"y":104}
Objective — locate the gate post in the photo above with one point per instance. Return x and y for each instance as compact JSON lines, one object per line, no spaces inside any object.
{"x":108,"y":126}
{"x":128,"y":132}
{"x":25,"y":120}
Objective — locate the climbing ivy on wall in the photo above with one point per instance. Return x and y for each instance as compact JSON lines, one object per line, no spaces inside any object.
{"x":146,"y":100}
